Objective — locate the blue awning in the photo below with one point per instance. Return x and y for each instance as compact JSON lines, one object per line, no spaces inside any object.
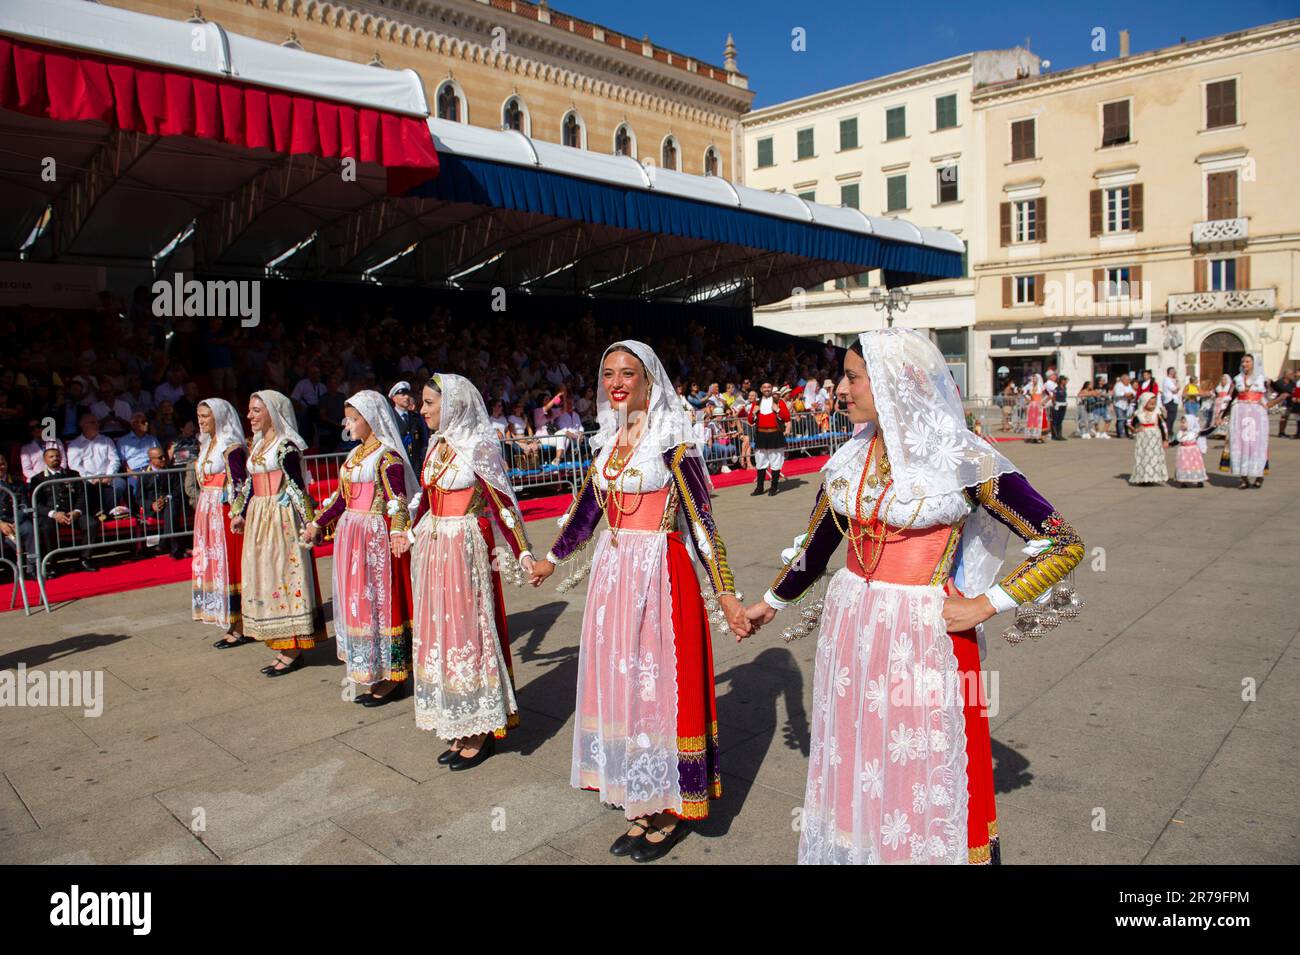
{"x":545,"y":217}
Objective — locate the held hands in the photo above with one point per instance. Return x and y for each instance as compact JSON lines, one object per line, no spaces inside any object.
{"x":736,"y":618}
{"x":541,"y":569}
{"x":759,"y":614}
{"x":527,"y":563}
{"x":311,"y":533}
{"x":400,"y":544}
{"x":963,"y":613}
{"x":237,"y":525}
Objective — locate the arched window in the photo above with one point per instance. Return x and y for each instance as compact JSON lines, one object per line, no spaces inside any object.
{"x":624,"y":144}
{"x":571,"y":130}
{"x":711,"y":162}
{"x":669,"y":158}
{"x":513,"y":115}
{"x":449,"y":103}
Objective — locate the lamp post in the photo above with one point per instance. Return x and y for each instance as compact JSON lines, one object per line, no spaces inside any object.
{"x":895,"y":299}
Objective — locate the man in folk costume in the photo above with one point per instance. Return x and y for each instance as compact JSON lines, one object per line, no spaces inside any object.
{"x":771,"y":420}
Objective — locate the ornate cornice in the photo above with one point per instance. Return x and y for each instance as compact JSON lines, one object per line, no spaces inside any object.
{"x":462,"y":30}
{"x":1269,"y":37}
{"x":891,"y":85}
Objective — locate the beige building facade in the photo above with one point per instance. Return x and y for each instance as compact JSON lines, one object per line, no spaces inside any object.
{"x":1142,"y":212}
{"x":495,"y":63}
{"x":903,"y":145}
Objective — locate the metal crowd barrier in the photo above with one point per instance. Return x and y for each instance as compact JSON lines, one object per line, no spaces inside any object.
{"x":115,"y":511}
{"x":17,"y":563}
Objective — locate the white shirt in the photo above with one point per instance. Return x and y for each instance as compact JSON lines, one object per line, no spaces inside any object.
{"x":1123,"y":393}
{"x":33,"y":456}
{"x":120,"y":409}
{"x":93,"y":458}
{"x":168,"y":392}
{"x":568,"y":421}
{"x":652,"y":474}
{"x":308,"y":393}
{"x":1169,"y":390}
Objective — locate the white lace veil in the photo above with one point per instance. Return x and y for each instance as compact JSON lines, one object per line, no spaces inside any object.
{"x":931,"y":451}
{"x":227,"y":431}
{"x":379,"y":414}
{"x":668,"y":424}
{"x":464,"y":424}
{"x":280,"y":408}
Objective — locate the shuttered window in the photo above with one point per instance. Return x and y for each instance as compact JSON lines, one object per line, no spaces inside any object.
{"x":1220,"y":104}
{"x":1023,"y":140}
{"x":1115,"y":123}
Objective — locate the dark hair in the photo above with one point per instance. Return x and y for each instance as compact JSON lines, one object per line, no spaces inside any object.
{"x":627,"y":351}
{"x":856,"y":347}
{"x":434,"y":384}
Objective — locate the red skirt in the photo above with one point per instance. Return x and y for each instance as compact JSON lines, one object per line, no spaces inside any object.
{"x":499,"y":611}
{"x":982,"y":813}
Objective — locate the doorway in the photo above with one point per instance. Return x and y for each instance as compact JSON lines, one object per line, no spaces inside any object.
{"x":1221,"y":354}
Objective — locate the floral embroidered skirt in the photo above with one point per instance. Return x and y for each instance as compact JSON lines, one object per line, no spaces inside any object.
{"x":1189,"y":464}
{"x":463,"y":680}
{"x":1149,"y":464}
{"x":215,"y":567}
{"x":646,"y":731}
{"x":893,"y":776}
{"x":1247,"y":448}
{"x":372,"y":600}
{"x":1035,"y":420}
{"x":280,"y":593}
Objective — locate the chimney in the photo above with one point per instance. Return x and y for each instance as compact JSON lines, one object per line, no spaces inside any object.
{"x":1123,"y":44}
{"x":729,"y":55}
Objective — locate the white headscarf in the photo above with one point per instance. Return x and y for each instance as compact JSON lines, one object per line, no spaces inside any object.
{"x":464,"y":424}
{"x":931,"y":451}
{"x":668,"y":423}
{"x":227,"y":429}
{"x":280,"y":408}
{"x":381,"y":417}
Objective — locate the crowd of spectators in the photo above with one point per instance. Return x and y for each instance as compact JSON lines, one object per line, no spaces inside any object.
{"x":111,"y":394}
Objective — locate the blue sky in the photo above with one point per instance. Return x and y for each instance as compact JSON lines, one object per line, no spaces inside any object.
{"x":847,"y":42}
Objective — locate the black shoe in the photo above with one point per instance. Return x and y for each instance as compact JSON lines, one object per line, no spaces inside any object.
{"x":758,"y":488}
{"x":396,"y":693}
{"x":1259,"y":482}
{"x":224,"y":644}
{"x":647,"y":851}
{"x":776,"y":478}
{"x":297,"y":664}
{"x":459,"y":762}
{"x":447,"y":756}
{"x":625,"y":843}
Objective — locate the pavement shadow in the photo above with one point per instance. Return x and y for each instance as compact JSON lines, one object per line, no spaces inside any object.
{"x":42,"y":653}
{"x":1010,"y":769}
{"x":553,"y":692}
{"x":756,"y":687}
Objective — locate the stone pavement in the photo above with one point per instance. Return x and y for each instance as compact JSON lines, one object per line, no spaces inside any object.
{"x":1123,"y":737}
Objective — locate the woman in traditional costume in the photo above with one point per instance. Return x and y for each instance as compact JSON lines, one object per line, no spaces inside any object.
{"x":1149,"y":442}
{"x":464,"y":682}
{"x":280,"y":593}
{"x":1247,"y":451}
{"x":1222,"y":396}
{"x":1035,"y":413}
{"x":221,"y":467}
{"x":900,"y":766}
{"x":646,"y":732}
{"x":372,"y":566}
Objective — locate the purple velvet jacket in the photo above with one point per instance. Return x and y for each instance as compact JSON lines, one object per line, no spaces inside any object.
{"x":392,"y":487}
{"x":690,"y":490}
{"x":1009,"y":498}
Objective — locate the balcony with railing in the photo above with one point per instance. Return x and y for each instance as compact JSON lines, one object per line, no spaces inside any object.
{"x":1220,"y":233}
{"x":1223,"y":300}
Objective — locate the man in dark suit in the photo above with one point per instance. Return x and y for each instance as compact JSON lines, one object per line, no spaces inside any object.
{"x":162,"y":497}
{"x":16,"y":519}
{"x":415,"y":433}
{"x":62,"y":504}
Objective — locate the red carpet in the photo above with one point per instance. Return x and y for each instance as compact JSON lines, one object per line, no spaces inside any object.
{"x":150,"y":572}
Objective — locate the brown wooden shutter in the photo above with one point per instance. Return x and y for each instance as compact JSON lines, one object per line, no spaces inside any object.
{"x":1135,"y":207}
{"x":1243,"y":272}
{"x":1005,"y":216}
{"x":1006,"y":291}
{"x":1135,"y":282}
{"x":1094,"y":212}
{"x":1199,"y":282}
{"x":1040,"y":213}
{"x":1099,"y":285}
{"x":1229,"y":195}
{"x":1039,"y":281}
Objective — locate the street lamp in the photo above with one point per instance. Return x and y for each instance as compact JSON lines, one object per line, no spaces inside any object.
{"x":895,"y":299}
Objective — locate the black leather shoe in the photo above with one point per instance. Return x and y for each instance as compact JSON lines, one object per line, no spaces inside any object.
{"x":647,"y":851}
{"x":447,"y":756}
{"x":459,"y":762}
{"x":396,"y":693}
{"x":273,"y":671}
{"x":625,"y":843}
{"x":224,"y":644}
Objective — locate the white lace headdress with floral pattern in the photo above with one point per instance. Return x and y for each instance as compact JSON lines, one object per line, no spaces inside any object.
{"x":464,"y":424}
